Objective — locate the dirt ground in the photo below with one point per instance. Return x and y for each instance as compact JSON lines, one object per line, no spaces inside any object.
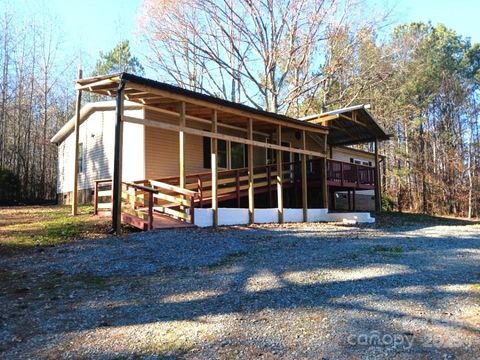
{"x":406,"y":287}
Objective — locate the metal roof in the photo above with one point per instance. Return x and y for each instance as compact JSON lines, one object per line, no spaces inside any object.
{"x":135,"y":79}
{"x":345,"y":130}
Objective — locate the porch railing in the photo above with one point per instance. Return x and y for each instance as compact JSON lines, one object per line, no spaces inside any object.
{"x":144,"y":198}
{"x":345,"y":174}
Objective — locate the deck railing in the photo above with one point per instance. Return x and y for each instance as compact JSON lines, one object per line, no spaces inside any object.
{"x":233,"y":184}
{"x":145,"y":197}
{"x":345,"y":174}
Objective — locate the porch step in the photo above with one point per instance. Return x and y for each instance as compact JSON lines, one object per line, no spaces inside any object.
{"x":160,"y":221}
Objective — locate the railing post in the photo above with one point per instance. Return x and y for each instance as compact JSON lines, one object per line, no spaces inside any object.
{"x":95,"y":199}
{"x":150,"y":211}
{"x":192,"y":209}
{"x":324,"y":181}
{"x":354,"y":202}
{"x":200,"y":190}
{"x":237,"y":187}
{"x":357,"y":181}
{"x":269,"y":182}
{"x":341,"y":173}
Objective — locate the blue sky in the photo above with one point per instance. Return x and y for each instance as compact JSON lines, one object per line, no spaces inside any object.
{"x":89,"y":26}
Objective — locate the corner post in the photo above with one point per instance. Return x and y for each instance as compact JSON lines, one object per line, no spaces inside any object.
{"x":181,"y":143}
{"x":378,"y":190}
{"x":279,"y":176}
{"x":324,"y":176}
{"x":304,"y":178}
{"x":78,"y":104}
{"x":251,"y":202}
{"x":181,"y":151}
{"x":117,"y":162}
{"x":214,"y":169}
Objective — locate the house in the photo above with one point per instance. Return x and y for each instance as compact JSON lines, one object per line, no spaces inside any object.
{"x":191,"y":159}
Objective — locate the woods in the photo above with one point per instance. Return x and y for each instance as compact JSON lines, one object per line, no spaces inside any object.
{"x":297,"y":57}
{"x":35,"y":100}
{"x":293,"y":57}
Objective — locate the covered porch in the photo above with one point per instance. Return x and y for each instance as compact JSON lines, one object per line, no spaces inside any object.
{"x":296,"y":181}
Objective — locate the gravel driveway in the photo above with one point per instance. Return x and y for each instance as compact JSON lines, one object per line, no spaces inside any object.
{"x":296,"y":291}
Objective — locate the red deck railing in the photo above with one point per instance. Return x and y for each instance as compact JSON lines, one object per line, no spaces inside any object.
{"x":345,"y":174}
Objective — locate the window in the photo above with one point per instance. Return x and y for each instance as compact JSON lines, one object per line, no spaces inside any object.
{"x":230,"y":155}
{"x":221,"y":153}
{"x":80,"y":158}
{"x":360,"y":162}
{"x":237,"y":155}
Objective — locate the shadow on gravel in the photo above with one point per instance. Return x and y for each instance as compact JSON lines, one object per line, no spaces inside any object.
{"x":187,"y":275}
{"x":391,"y":221}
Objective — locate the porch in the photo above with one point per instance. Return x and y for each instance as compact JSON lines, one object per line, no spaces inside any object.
{"x":300,"y":187}
{"x":162,"y":203}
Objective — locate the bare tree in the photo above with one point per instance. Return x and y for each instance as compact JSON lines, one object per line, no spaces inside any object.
{"x":267,"y":53}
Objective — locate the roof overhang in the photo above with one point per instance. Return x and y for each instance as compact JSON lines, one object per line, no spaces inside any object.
{"x":349,"y":126}
{"x":150,"y":93}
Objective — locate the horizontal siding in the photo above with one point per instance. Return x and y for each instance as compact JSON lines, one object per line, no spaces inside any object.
{"x":342,"y":154}
{"x":162,"y":148}
{"x":97,"y":136}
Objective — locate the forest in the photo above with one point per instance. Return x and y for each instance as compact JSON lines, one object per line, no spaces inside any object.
{"x":294,"y":57}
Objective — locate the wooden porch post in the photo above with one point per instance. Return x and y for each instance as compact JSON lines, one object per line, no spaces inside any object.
{"x":279,"y":176}
{"x":304,"y":179}
{"x":214,"y":167}
{"x":378,"y":190}
{"x":117,"y":163}
{"x":181,"y":151}
{"x":181,"y":143}
{"x":323,"y":172}
{"x":354,"y":201}
{"x":251,"y":201}
{"x":78,"y":104}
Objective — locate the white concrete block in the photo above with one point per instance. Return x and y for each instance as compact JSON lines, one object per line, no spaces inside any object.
{"x":316,"y":215}
{"x":228,"y":216}
{"x":292,"y":215}
{"x":203,"y":217}
{"x":263,"y":216}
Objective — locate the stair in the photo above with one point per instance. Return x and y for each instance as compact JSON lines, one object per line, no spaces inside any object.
{"x":160,"y":221}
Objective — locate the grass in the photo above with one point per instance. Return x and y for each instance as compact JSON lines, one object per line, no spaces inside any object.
{"x":228,"y":260}
{"x":24,"y":227}
{"x":386,"y":250}
{"x":395,"y":219}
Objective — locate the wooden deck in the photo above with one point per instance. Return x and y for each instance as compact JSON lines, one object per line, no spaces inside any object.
{"x":164,"y":204}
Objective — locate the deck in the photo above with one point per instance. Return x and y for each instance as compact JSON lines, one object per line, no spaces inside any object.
{"x":163,"y":204}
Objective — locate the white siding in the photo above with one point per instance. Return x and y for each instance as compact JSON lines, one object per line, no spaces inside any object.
{"x":97,"y":136}
{"x":341,"y":154}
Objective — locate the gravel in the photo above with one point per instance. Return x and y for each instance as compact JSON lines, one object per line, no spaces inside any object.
{"x":294,"y":291}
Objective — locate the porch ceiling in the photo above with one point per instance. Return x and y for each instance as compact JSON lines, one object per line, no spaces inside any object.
{"x":154,"y":94}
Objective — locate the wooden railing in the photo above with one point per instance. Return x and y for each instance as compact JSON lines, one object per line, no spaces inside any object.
{"x":352,"y":175}
{"x":233,"y":184}
{"x":143,"y":198}
{"x":173,"y":200}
